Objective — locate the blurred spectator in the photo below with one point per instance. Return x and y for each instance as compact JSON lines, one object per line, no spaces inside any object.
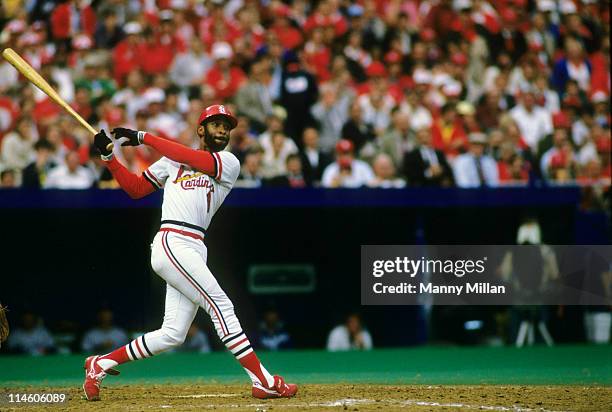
{"x":253,"y":97}
{"x":8,"y":179}
{"x":35,"y":174}
{"x":241,"y":139}
{"x":195,"y":341}
{"x":31,"y":337}
{"x":356,"y":130}
{"x":559,"y":162}
{"x":275,"y":154}
{"x":298,"y":93}
{"x":573,"y":66}
{"x":293,"y":177}
{"x":314,"y":160}
{"x":272,"y":333}
{"x":418,"y":115}
{"x":347,"y":171}
{"x":129,"y":52}
{"x":425,"y":166}
{"x":70,"y":175}
{"x":224,"y":77}
{"x":448,"y":133}
{"x":108,"y":33}
{"x":93,"y":81}
{"x":104,"y":336}
{"x":397,"y":140}
{"x":189,"y":67}
{"x":250,"y":172}
{"x":349,"y":336}
{"x":475,"y":168}
{"x":534,"y":122}
{"x":331,"y":112}
{"x":17,"y":146}
{"x":512,"y":168}
{"x":385,"y":176}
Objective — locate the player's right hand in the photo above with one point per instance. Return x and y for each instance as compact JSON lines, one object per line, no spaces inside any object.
{"x":132,"y":136}
{"x":101,"y":141}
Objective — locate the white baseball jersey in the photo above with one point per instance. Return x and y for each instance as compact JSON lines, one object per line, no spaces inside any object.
{"x":191,"y":198}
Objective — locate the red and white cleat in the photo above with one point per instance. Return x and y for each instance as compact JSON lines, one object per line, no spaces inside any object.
{"x":93,"y":378}
{"x":279,"y":390}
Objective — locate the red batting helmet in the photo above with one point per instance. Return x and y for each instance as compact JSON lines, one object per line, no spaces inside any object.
{"x":218,"y":110}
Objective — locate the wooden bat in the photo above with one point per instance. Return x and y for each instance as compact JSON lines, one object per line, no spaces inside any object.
{"x":32,"y":75}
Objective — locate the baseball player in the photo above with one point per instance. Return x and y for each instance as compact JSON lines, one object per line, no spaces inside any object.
{"x":195,"y":183}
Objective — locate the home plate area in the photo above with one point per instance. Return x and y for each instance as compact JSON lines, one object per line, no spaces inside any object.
{"x":336,"y":397}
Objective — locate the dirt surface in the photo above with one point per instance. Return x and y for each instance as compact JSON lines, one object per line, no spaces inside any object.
{"x":332,"y":397}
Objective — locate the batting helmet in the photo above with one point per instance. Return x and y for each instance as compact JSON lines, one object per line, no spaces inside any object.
{"x":218,"y":110}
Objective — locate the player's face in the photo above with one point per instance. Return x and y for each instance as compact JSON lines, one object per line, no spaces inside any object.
{"x":215,"y":134}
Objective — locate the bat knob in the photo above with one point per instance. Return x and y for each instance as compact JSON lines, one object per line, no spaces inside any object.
{"x":110,"y":147}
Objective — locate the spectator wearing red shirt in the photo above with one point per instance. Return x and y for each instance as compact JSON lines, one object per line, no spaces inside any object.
{"x":160,"y":48}
{"x":317,"y":55}
{"x":327,"y":16}
{"x":447,"y":131}
{"x":440,"y":18}
{"x":69,"y":17}
{"x":289,"y":36}
{"x":224,"y":78}
{"x":127,"y":56}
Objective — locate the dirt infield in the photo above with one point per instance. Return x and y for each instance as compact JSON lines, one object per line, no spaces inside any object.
{"x":314,"y":397}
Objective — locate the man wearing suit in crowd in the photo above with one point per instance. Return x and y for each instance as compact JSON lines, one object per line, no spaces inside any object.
{"x":314,"y":160}
{"x":425,"y":166}
{"x":476,"y":168}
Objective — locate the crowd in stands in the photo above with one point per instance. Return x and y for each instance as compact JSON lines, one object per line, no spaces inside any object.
{"x":332,"y":93}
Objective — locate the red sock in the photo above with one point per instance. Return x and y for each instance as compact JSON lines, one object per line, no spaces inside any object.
{"x":239,"y":345}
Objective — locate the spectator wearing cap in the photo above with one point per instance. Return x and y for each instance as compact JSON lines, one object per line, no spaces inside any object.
{"x":398,"y":139}
{"x":475,"y":168}
{"x":533,"y":121}
{"x":426,"y":166}
{"x":224,"y":77}
{"x":314,"y":160}
{"x":331,"y":113}
{"x":108,"y":33}
{"x":573,"y":66}
{"x":298,"y":93}
{"x":70,"y":175}
{"x":385,"y":176}
{"x":447,"y":131}
{"x":356,"y":129}
{"x":129,"y":52}
{"x":346,"y":171}
{"x":253,"y":97}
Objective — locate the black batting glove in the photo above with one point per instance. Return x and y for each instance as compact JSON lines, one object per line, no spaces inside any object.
{"x":134,"y":136}
{"x":101,"y":141}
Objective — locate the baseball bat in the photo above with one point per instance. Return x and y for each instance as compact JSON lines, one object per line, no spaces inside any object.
{"x":32,"y":75}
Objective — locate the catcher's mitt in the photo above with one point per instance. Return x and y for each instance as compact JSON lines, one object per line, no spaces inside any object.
{"x":4,"y":326}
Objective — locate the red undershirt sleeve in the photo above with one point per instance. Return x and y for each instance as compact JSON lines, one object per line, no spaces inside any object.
{"x":200,"y":160}
{"x":135,"y":186}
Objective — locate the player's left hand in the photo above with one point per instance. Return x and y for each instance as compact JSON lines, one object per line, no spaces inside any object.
{"x":132,"y":136}
{"x":101,"y":141}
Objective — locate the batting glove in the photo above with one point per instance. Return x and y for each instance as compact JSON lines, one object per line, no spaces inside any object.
{"x":101,"y":141}
{"x":134,"y":137}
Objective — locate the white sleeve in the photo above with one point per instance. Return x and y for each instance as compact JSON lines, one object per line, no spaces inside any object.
{"x":157,"y":173}
{"x":329,"y":174}
{"x":228,"y":168}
